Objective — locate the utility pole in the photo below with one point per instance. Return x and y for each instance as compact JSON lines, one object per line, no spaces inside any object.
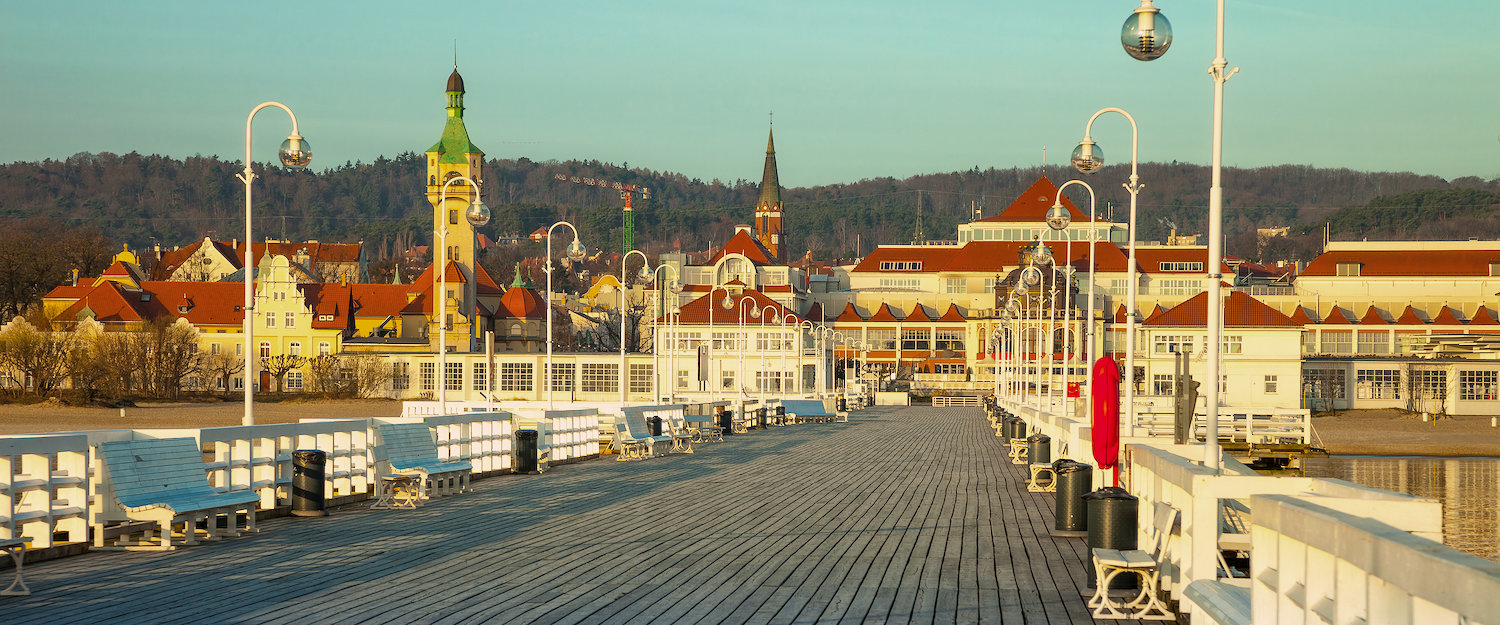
{"x":919,"y":216}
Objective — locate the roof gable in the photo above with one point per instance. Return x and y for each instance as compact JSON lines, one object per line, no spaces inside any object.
{"x":1483,"y":317}
{"x":1446,"y":317}
{"x":1373,"y":317}
{"x":885,"y":315}
{"x":1337,"y":316}
{"x":953,"y":315}
{"x":1240,"y":310}
{"x":744,"y":244}
{"x":850,"y":314}
{"x":1301,"y":316}
{"x":1033,"y":203}
{"x":1409,"y":317}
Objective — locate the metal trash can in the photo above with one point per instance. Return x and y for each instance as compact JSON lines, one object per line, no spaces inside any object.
{"x":308,"y":471}
{"x":1008,"y":427}
{"x":1074,"y":479}
{"x":527,"y":451}
{"x":760,"y":418}
{"x":726,"y":421}
{"x":654,"y":425}
{"x":1112,"y":525}
{"x":843,"y":404}
{"x":781,"y":415}
{"x":1039,"y":449}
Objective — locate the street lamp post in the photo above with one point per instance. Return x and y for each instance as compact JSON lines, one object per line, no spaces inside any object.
{"x":1088,"y":317}
{"x":741,"y":340}
{"x":804,"y":328}
{"x":675,"y":288}
{"x":1088,"y":158}
{"x":1146,"y":36}
{"x":295,"y":153}
{"x":575,"y":251}
{"x":760,"y":339}
{"x":644,"y":274}
{"x":728,"y":303}
{"x":478,"y":215}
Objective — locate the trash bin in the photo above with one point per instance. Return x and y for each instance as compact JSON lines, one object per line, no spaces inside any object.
{"x":781,"y":415}
{"x":1008,"y":427}
{"x":843,"y":404}
{"x":1074,"y":479}
{"x":654,"y":425}
{"x":1112,"y":525}
{"x":526,"y":451}
{"x":1039,"y":449}
{"x":308,"y":470}
{"x":726,"y":421}
{"x":760,"y":418}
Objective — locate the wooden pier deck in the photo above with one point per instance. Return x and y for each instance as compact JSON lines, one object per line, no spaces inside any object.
{"x":904,"y":515}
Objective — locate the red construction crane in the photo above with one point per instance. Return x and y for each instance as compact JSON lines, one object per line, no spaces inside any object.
{"x":627,"y":191}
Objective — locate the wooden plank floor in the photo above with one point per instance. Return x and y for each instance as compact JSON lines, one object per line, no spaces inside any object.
{"x":905,"y":515}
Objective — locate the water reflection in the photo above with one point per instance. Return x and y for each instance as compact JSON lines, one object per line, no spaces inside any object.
{"x":1469,"y":489}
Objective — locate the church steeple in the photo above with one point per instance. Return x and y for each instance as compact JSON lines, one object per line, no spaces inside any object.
{"x":452,"y":156}
{"x":768,"y":207}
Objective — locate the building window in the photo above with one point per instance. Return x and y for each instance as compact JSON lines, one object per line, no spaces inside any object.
{"x":727,"y":340}
{"x":294,"y":348}
{"x":1374,"y":342}
{"x":1429,"y":383}
{"x":726,"y":380}
{"x":294,"y":380}
{"x":1178,"y":287}
{"x":900,"y":265}
{"x":1309,"y":342}
{"x":900,"y":283}
{"x":689,"y":340}
{"x":600,"y":378}
{"x":950,"y":340}
{"x":265,"y":349}
{"x":270,"y":320}
{"x":400,"y":376}
{"x":239,"y":349}
{"x":1377,"y":383}
{"x":1233,"y":345}
{"x":1180,"y":266}
{"x":1324,"y":383}
{"x":955,"y":285}
{"x":1172,"y":344}
{"x":517,"y":376}
{"x":1477,"y":385}
{"x":989,"y":285}
{"x":1270,"y":384}
{"x":291,"y":320}
{"x":1346,"y":269}
{"x":562,"y":377}
{"x":425,"y":372}
{"x":481,"y":376}
{"x":683,"y":378}
{"x":454,"y":378}
{"x":916,"y":338}
{"x":948,"y":368}
{"x":881,"y":339}
{"x":769,"y":342}
{"x":1162,"y":383}
{"x":1118,"y":287}
{"x":452,"y":217}
{"x":324,"y":348}
{"x":641,"y":377}
{"x":214,"y":349}
{"x":1338,"y":342}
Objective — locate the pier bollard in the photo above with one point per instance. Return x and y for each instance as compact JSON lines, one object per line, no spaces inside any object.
{"x":726,"y":422}
{"x":308,"y":470}
{"x":1112,"y":525}
{"x":654,"y":425}
{"x":527,"y":449}
{"x":1039,"y":449}
{"x":1074,"y":479}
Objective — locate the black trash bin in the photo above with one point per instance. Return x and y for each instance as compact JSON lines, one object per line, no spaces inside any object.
{"x":1074,"y":479}
{"x":526,"y":451}
{"x":308,"y":471}
{"x":760,"y":417}
{"x":781,"y":415}
{"x":1039,"y":449}
{"x":726,"y":422}
{"x":654,"y":425}
{"x":1017,"y":428}
{"x":843,"y":404}
{"x":1112,"y":525}
{"x":1007,"y":427}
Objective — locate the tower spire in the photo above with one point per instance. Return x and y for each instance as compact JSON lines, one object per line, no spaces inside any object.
{"x":768,"y":207}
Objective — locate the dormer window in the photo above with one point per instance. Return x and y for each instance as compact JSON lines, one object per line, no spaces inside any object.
{"x":1494,"y":269}
{"x":184,"y":308}
{"x":325,"y":317}
{"x":1179,"y":266}
{"x":1347,"y":269}
{"x":145,"y":297}
{"x":900,"y":265}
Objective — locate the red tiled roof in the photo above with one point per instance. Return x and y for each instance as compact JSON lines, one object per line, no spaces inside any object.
{"x":884,"y":315}
{"x":521,"y":303}
{"x":1120,"y":315}
{"x":1301,"y":316}
{"x":1467,"y":263}
{"x":815,"y":313}
{"x":743,"y":243}
{"x":1446,"y":318}
{"x":698,"y":310}
{"x":1148,"y":259}
{"x":1033,"y":203}
{"x":953,"y":315}
{"x":119,"y":269}
{"x":1240,"y":310}
{"x":1409,"y":317}
{"x":201,"y":303}
{"x":918,"y":314}
{"x":850,"y":314}
{"x":328,"y":299}
{"x":1337,"y":316}
{"x":378,"y":300}
{"x":108,"y":302}
{"x":483,"y":283}
{"x":1373,"y":317}
{"x":1483,"y":317}
{"x":990,"y":256}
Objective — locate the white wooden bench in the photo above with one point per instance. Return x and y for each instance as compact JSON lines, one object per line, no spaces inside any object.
{"x":632,"y":427}
{"x":16,"y":549}
{"x":164,"y":481}
{"x":682,"y":439}
{"x":807,"y":411}
{"x":409,"y":449}
{"x":1110,"y":563}
{"x":1043,"y":478}
{"x":1221,"y":602}
{"x":704,"y":428}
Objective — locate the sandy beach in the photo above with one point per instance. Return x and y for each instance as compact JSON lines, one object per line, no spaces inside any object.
{"x":1399,"y":433}
{"x":29,"y":418}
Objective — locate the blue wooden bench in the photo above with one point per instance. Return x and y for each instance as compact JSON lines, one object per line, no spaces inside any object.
{"x":165,"y":481}
{"x":632,"y":431}
{"x":1221,"y":602}
{"x":409,"y":450}
{"x":807,"y":411}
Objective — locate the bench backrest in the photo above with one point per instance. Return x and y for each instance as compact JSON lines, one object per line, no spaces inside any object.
{"x":407,"y":442}
{"x":1161,"y":529}
{"x":144,"y":471}
{"x":805,"y":407}
{"x":634,"y":424}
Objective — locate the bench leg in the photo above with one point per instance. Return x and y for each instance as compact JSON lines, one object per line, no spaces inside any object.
{"x":17,"y":587}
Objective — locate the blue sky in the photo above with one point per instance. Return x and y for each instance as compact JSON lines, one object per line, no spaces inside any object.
{"x":860,"y":89}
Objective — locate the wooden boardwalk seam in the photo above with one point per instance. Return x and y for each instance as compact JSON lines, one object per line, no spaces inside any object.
{"x":904,"y":515}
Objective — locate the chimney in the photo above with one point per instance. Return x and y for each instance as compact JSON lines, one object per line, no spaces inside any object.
{"x":738,"y":228}
{"x":75,"y":276}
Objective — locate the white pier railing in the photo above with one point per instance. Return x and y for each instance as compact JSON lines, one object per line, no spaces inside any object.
{"x":44,"y":488}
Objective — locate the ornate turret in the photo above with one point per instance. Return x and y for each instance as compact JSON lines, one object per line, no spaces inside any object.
{"x":768,"y":207}
{"x":454,"y":155}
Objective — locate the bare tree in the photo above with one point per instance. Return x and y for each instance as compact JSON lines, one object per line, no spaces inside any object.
{"x":279,"y":365}
{"x":331,"y":375}
{"x":88,"y":366}
{"x":372,"y":376}
{"x":40,"y":354}
{"x":222,"y":367}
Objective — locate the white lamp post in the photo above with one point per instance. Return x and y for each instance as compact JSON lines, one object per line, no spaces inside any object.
{"x":645,"y":274}
{"x":728,"y":303}
{"x":1031,"y":277}
{"x":478,"y":215}
{"x":295,"y":153}
{"x":760,"y":339}
{"x":1088,"y":158}
{"x":674,"y":287}
{"x":1088,"y":317}
{"x":741,"y":340}
{"x":575,"y":251}
{"x":804,"y":328}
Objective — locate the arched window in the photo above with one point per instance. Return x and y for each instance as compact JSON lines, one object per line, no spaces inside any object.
{"x":1062,"y":341}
